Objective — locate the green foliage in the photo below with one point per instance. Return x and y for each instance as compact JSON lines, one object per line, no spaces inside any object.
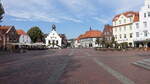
{"x":36,"y":34}
{"x":1,"y":11}
{"x":97,"y":41}
{"x":124,"y":45}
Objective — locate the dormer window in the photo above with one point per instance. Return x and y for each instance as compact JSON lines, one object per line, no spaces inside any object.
{"x":119,"y":21}
{"x":130,"y":19}
{"x":115,"y":23}
{"x":124,"y":20}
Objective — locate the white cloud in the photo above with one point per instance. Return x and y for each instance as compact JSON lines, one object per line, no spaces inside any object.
{"x":75,"y":10}
{"x":102,"y":20}
{"x":122,"y":5}
{"x":132,"y":5}
{"x":72,"y":19}
{"x":32,"y":10}
{"x":80,"y":6}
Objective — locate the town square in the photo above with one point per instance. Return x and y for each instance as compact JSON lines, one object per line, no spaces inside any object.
{"x":74,"y":42}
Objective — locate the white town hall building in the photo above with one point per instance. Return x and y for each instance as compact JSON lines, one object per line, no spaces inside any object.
{"x":53,"y":40}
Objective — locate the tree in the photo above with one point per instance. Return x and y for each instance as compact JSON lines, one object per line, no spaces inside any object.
{"x":36,"y":34}
{"x":113,"y":42}
{"x":1,"y":11}
{"x":64,"y":40}
{"x":98,"y":41}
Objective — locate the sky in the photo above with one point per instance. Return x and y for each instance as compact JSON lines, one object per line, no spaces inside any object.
{"x":71,"y":17}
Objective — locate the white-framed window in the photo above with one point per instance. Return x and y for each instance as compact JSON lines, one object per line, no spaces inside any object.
{"x":120,"y":36}
{"x":145,"y":33}
{"x":125,"y":28}
{"x":145,"y":24}
{"x":124,"y":20}
{"x":115,"y":23}
{"x":120,"y":28}
{"x":137,"y":34}
{"x":145,"y":15}
{"x":131,"y":35}
{"x":148,"y":14}
{"x":116,"y":29}
{"x":130,"y":19}
{"x":119,"y":21}
{"x":125,"y":36}
{"x":137,"y":25}
{"x":130,"y":27}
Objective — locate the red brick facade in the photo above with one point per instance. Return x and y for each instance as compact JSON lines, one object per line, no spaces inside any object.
{"x":8,"y":35}
{"x":108,"y":33}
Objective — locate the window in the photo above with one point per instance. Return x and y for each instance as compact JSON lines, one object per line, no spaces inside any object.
{"x":120,"y":28}
{"x":125,"y":36}
{"x":125,"y":28}
{"x":124,"y":20}
{"x":148,"y":14}
{"x":145,"y":15}
{"x":57,"y":42}
{"x":116,"y":36}
{"x":130,"y":19}
{"x":115,"y":29}
{"x":145,"y":33}
{"x":137,"y":34}
{"x":119,"y":21}
{"x":109,"y":38}
{"x":137,"y":25}
{"x":148,"y":6}
{"x":120,"y":36}
{"x":145,"y":24}
{"x":131,"y":35}
{"x":130,"y":27}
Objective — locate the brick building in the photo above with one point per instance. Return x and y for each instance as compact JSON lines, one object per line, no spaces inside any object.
{"x":8,"y":35}
{"x":108,"y":33}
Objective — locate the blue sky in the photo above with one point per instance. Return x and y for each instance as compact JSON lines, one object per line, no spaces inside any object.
{"x":72,"y":17}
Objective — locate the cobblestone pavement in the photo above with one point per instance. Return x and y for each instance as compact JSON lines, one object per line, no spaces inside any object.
{"x":74,"y":66}
{"x":34,"y":67}
{"x":109,"y":67}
